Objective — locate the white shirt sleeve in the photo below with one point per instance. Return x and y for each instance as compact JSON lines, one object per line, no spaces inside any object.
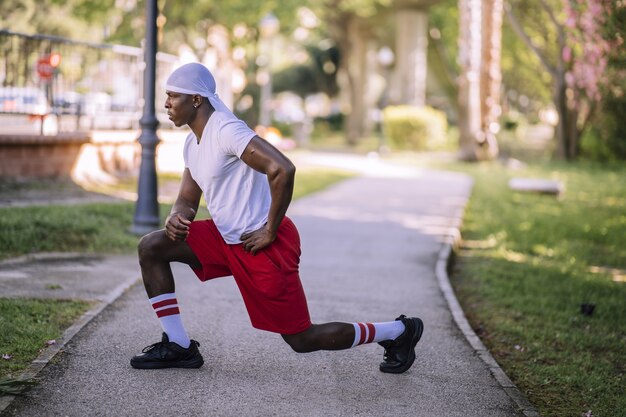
{"x":234,"y":136}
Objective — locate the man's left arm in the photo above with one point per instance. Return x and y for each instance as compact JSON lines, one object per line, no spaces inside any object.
{"x":265,"y":158}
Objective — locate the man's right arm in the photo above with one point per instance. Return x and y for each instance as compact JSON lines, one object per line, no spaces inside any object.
{"x":184,"y":209}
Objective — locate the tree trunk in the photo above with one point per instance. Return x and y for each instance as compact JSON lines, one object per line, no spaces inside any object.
{"x":411,"y":56}
{"x":480,"y":39}
{"x":567,"y":130}
{"x":573,"y":146}
{"x":356,"y":67}
{"x":490,"y":77}
{"x":351,"y":37}
{"x":563,"y":125}
{"x":469,"y":78}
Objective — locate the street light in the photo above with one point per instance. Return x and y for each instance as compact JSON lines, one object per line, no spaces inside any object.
{"x":147,"y":208}
{"x":268,"y":26}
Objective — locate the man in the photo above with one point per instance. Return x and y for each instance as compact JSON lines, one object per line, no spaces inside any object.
{"x":248,"y":186}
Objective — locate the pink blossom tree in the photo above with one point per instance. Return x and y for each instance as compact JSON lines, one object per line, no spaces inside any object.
{"x":578,"y":68}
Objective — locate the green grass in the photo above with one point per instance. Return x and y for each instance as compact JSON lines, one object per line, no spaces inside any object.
{"x":27,"y":326}
{"x":526,"y":265}
{"x":101,"y":227}
{"x":81,"y":228}
{"x":310,"y":180}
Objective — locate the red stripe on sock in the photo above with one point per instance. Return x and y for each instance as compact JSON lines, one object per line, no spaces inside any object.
{"x":164,"y":303}
{"x":372,"y":330}
{"x":362,"y":327}
{"x":168,"y":312}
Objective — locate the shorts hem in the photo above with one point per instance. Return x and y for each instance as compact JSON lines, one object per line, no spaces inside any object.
{"x":296,"y":330}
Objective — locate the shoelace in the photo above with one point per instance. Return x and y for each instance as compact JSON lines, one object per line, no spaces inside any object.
{"x":152,"y":346}
{"x":160,"y":344}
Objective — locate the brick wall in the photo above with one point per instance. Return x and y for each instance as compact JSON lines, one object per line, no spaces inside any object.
{"x":38,"y":156}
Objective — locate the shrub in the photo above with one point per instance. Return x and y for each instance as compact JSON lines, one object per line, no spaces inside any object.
{"x":415,"y":128}
{"x":325,"y":126}
{"x":605,"y":137}
{"x":511,"y":120}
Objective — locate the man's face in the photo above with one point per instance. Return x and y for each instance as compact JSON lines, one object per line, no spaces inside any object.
{"x":179,"y":108}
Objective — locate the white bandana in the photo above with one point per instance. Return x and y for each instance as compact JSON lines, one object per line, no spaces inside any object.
{"x":195,"y":78}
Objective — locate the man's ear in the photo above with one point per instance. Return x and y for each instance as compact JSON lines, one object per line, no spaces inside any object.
{"x":196,"y":100}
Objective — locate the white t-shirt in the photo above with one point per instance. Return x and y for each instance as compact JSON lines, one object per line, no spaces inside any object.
{"x":238,"y":197}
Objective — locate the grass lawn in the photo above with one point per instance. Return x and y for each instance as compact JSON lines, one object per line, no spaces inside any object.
{"x":526,"y":265}
{"x":103,"y":227}
{"x":100,"y":227}
{"x":27,"y":326}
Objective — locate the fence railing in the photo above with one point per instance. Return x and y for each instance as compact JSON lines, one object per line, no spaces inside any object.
{"x":52,"y":84}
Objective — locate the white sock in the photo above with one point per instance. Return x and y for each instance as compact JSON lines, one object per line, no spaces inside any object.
{"x":376,"y":332}
{"x":166,"y":308}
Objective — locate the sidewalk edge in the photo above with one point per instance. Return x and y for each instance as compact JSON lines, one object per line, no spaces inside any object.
{"x":39,"y":363}
{"x":444,"y":259}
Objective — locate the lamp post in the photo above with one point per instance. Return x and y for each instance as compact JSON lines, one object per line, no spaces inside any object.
{"x":147,"y":208}
{"x":269,"y":26}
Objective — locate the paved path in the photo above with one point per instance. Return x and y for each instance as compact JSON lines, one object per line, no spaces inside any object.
{"x":370,"y":247}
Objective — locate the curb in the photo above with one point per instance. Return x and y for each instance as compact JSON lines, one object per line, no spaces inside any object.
{"x":50,"y":352}
{"x":444,"y":260}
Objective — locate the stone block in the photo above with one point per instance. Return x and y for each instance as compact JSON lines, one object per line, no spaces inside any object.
{"x":536,"y":185}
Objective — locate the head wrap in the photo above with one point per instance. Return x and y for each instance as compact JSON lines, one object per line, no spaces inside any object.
{"x":195,"y":78}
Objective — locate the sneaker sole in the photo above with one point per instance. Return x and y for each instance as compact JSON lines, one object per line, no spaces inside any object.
{"x":419,"y":329}
{"x":188,"y":364}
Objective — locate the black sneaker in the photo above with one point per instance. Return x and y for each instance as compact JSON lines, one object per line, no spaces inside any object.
{"x":166,"y":354}
{"x":400,"y":352}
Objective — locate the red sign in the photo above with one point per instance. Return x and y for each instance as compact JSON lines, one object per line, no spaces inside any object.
{"x":47,"y":64}
{"x":44,"y":68}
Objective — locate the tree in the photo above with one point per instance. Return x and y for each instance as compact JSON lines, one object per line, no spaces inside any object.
{"x":606,"y":137}
{"x":317,"y":76}
{"x":189,"y":25}
{"x":574,"y":52}
{"x":411,"y":21}
{"x":491,"y":76}
{"x":479,"y":80}
{"x":349,"y":24}
{"x":522,"y":75}
{"x":71,"y":18}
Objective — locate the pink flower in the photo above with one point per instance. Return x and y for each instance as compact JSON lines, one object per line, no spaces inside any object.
{"x":567,"y":54}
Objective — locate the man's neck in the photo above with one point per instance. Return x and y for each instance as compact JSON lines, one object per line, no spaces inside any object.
{"x":199,"y":122}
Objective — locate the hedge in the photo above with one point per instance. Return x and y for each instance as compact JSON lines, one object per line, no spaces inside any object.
{"x":415,"y":128}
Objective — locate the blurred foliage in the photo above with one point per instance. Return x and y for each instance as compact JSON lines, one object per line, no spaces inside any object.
{"x":527,"y":85}
{"x":319,"y":74}
{"x":605,"y":137}
{"x":77,"y":19}
{"x":189,"y":25}
{"x":522,"y":74}
{"x":442,"y":55}
{"x":330,"y":10}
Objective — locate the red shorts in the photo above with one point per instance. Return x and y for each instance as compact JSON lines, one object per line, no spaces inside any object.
{"x":269,"y":281}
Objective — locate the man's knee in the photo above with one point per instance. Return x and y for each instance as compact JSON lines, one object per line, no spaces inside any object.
{"x":148,"y":247}
{"x":301,"y":342}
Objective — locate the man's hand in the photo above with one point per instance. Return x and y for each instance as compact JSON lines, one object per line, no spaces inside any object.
{"x":177,"y":226}
{"x":258,"y":239}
